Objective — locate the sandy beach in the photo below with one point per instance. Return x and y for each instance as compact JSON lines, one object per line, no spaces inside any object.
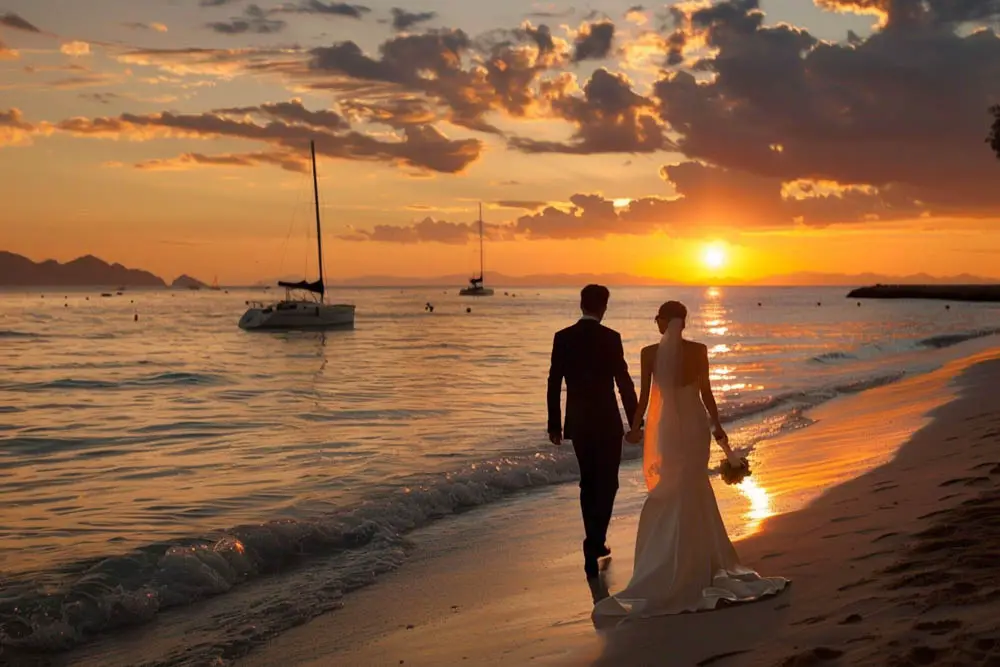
{"x":892,"y":567}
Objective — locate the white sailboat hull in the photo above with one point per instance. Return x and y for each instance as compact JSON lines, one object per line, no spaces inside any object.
{"x":298,"y":315}
{"x":476,"y":291}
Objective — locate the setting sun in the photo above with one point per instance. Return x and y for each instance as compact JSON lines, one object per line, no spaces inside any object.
{"x":714,"y":256}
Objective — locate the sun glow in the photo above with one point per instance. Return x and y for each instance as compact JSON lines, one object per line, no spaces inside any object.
{"x":714,"y":256}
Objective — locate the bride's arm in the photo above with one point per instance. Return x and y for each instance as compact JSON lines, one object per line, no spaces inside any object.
{"x":708,"y":398}
{"x":646,"y":365}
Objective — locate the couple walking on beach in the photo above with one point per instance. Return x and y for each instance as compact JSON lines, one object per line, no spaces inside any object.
{"x":684,"y":560}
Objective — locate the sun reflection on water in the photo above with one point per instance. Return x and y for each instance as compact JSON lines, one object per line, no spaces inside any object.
{"x":760,"y":503}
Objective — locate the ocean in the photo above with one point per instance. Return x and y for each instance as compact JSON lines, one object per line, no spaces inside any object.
{"x":150,"y":463}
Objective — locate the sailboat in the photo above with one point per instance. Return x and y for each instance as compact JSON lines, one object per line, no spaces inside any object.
{"x":476,"y":287}
{"x":310,"y":311}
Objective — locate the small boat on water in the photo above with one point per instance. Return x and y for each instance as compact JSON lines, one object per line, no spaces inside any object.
{"x":476,"y":287}
{"x":308,"y":311}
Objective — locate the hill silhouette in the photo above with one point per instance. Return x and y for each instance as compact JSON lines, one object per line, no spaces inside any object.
{"x":19,"y":271}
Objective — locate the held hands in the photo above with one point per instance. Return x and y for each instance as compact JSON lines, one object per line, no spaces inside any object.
{"x":634,"y":436}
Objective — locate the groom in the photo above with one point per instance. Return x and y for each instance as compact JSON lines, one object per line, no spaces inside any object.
{"x":591,"y":359}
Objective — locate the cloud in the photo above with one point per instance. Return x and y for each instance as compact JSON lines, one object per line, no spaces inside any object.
{"x":15,"y":22}
{"x":7,"y":53}
{"x":156,"y":27}
{"x":220,"y":63}
{"x":637,"y":15}
{"x":293,"y":112}
{"x":329,"y":9}
{"x":404,"y":20}
{"x":427,"y":230}
{"x":520,"y":203}
{"x":101,"y":98}
{"x":594,"y":41}
{"x":75,"y":49}
{"x":898,"y":111}
{"x":911,"y":13}
{"x":188,"y":161}
{"x":217,"y":3}
{"x":15,"y":131}
{"x":993,"y":139}
{"x":419,"y":147}
{"x":608,"y":118}
{"x":254,"y":20}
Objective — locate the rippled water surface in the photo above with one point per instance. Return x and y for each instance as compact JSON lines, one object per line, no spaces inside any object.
{"x":143,"y":454}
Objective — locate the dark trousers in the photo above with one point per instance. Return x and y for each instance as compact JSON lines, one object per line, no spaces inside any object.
{"x":599,"y":460}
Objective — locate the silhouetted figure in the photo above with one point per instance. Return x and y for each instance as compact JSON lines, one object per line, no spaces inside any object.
{"x":136,"y":319}
{"x":428,"y":307}
{"x":590,"y":357}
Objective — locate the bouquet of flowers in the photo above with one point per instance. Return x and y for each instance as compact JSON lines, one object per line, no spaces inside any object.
{"x":734,"y":474}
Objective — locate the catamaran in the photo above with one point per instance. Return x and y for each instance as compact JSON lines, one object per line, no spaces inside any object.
{"x":309,"y":311}
{"x":476,"y":287}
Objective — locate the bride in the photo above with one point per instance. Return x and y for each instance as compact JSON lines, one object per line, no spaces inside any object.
{"x":684,"y":560}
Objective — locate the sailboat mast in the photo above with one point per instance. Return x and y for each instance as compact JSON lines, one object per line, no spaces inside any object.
{"x":482,"y":263}
{"x":319,"y":230}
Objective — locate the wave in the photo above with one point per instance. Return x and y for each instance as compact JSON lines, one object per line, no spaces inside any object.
{"x":827,"y":357}
{"x":804,"y":399}
{"x":8,"y":333}
{"x":103,"y":594}
{"x":947,"y":340}
{"x":176,"y":379}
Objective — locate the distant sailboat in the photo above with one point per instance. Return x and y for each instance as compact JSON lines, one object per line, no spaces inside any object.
{"x":476,"y":287}
{"x":304,"y":313}
{"x":215,"y":284}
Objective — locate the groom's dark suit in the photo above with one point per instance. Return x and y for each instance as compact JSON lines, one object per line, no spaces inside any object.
{"x":591,"y":359}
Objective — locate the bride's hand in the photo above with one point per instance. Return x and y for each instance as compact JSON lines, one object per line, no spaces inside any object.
{"x":720,"y":435}
{"x":735,"y":460}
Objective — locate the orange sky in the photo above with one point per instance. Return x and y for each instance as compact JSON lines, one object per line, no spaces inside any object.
{"x":173,"y":138}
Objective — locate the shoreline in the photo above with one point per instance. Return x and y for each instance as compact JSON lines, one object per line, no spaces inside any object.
{"x":521,"y":598}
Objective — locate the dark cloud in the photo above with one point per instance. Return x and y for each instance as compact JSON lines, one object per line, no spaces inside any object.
{"x":286,"y":161}
{"x":101,"y":98}
{"x":594,"y":41}
{"x":994,"y":136}
{"x":542,"y":14}
{"x":15,"y":22}
{"x":254,"y":20}
{"x":404,"y":20}
{"x":398,"y":113}
{"x":421,"y":147}
{"x":329,"y":9}
{"x":899,"y":111}
{"x":427,"y":230}
{"x":217,"y":3}
{"x":609,"y":118}
{"x":431,"y":63}
{"x":293,"y":112}
{"x":711,"y":198}
{"x":520,"y":203}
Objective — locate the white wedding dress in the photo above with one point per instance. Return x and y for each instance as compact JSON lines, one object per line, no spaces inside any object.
{"x":684,"y":560}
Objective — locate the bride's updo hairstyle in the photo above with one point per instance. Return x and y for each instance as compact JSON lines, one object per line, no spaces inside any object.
{"x":668,"y":311}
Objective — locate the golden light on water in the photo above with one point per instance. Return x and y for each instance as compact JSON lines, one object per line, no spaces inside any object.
{"x":760,"y":502}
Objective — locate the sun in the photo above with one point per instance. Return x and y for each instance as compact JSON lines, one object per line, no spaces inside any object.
{"x":714,"y":256}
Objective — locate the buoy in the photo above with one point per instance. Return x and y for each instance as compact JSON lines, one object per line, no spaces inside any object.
{"x":468,"y":310}
{"x":136,"y":318}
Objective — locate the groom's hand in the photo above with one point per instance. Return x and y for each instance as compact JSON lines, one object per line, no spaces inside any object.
{"x":555,"y":438}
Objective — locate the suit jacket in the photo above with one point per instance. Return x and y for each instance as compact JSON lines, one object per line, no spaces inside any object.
{"x":591,"y":359}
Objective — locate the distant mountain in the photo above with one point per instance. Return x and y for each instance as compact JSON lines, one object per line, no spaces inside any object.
{"x":19,"y":271}
{"x":187,"y":282}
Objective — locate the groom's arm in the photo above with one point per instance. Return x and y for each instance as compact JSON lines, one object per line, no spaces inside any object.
{"x":624,"y":381}
{"x":554,"y":395}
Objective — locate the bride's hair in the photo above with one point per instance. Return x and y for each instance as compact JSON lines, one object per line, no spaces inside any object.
{"x":672,"y":309}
